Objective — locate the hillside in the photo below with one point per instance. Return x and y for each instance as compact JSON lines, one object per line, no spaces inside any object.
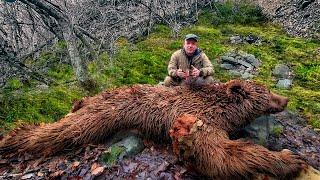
{"x":223,"y":28}
{"x":146,"y":61}
{"x":298,"y":17}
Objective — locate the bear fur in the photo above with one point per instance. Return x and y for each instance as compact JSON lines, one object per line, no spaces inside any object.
{"x":197,"y":119}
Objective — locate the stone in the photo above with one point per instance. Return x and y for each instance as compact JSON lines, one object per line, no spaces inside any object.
{"x":236,"y":39}
{"x":250,"y":58}
{"x":244,"y":63}
{"x":249,"y":70}
{"x":227,"y":66}
{"x":42,"y":87}
{"x":234,"y":73}
{"x":284,"y":83}
{"x":281,"y":71}
{"x":132,"y":144}
{"x":259,"y":130}
{"x":229,"y":59}
{"x":246,"y":75}
{"x":127,"y":147}
{"x":251,"y":39}
{"x":233,"y":54}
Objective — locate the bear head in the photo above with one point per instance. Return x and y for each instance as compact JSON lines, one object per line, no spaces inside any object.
{"x":255,"y":97}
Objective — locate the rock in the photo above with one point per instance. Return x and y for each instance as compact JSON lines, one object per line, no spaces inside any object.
{"x":250,"y":58}
{"x":240,"y":64}
{"x":229,"y":59}
{"x":236,"y":39}
{"x":281,"y":71}
{"x":127,"y":147}
{"x":42,"y":87}
{"x":251,"y":39}
{"x":248,"y":70}
{"x":227,"y":66}
{"x":259,"y":130}
{"x":244,"y":63}
{"x":233,"y":54}
{"x":133,"y":145}
{"x":235,"y":73}
{"x":284,"y":83}
{"x":246,"y":75}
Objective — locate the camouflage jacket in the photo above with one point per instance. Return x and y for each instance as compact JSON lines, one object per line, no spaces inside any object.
{"x":180,"y":60}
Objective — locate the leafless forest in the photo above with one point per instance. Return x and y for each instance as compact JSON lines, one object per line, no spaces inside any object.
{"x":87,"y":27}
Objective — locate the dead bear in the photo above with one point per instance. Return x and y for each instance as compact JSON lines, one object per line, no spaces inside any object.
{"x":198,"y":119}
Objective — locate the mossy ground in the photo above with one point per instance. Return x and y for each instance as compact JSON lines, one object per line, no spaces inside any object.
{"x":146,"y":62}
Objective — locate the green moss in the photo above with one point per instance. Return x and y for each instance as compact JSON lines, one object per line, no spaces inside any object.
{"x":111,"y":156}
{"x":37,"y":106}
{"x":13,"y":84}
{"x":277,"y":131}
{"x":315,"y":122}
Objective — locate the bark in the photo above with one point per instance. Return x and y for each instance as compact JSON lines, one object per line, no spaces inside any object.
{"x":78,"y":64}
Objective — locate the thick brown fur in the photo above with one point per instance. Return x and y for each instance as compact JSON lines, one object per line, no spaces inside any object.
{"x":221,"y":108}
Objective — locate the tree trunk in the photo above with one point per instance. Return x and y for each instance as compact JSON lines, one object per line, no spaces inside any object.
{"x":78,"y":64}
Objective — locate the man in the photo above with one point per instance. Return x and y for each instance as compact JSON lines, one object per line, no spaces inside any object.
{"x":189,"y":64}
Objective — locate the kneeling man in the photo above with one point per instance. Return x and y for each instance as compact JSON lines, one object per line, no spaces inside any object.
{"x":189,"y":64}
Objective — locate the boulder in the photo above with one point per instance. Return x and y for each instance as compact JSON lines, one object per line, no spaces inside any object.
{"x":284,"y":83}
{"x":282,"y":71}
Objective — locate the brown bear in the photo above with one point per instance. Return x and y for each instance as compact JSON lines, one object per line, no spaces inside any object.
{"x":198,"y":120}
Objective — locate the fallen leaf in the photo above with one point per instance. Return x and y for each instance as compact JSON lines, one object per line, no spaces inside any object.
{"x":162,"y":167}
{"x":75,"y":164}
{"x":94,"y":166}
{"x":57,"y":173}
{"x":97,"y":171}
{"x":40,"y":174}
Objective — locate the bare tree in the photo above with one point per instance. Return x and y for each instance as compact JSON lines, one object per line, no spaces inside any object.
{"x":88,"y":27}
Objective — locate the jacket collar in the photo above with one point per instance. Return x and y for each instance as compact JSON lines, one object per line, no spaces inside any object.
{"x":195,"y":54}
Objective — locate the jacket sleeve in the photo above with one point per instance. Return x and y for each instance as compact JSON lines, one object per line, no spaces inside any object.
{"x":207,"y":69}
{"x":173,"y":66}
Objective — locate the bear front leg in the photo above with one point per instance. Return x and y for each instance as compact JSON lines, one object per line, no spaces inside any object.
{"x":217,"y":156}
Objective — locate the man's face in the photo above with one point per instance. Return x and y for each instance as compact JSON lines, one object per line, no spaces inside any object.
{"x":190,"y":46}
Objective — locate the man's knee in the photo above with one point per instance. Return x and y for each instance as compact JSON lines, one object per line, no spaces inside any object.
{"x":168,"y":81}
{"x":209,"y":80}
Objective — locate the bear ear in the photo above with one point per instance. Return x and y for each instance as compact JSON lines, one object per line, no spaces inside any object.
{"x":236,"y":88}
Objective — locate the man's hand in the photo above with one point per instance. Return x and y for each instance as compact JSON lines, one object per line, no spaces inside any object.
{"x":195,"y":72}
{"x":182,"y":74}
